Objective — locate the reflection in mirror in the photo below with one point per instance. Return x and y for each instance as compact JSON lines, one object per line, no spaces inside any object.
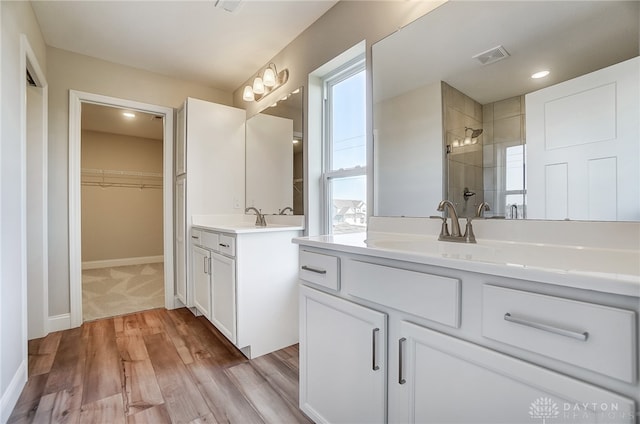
{"x":457,"y":114}
{"x":274,"y":165}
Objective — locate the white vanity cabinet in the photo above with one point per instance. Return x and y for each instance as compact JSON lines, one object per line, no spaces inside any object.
{"x":201,"y":270}
{"x":343,"y":363}
{"x":210,"y":177}
{"x":245,"y":283}
{"x":223,"y":295}
{"x":444,"y":379}
{"x":214,"y":279}
{"x":461,"y":347}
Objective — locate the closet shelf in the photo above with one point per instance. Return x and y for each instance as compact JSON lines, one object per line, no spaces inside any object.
{"x":117,"y":178}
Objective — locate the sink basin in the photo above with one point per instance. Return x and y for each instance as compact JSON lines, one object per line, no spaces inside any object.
{"x":534,"y":255}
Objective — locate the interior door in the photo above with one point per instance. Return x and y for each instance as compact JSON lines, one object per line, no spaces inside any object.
{"x":583,"y":149}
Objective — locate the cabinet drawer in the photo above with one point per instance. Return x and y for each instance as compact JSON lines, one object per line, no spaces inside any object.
{"x":227,"y":245}
{"x":319,"y":269}
{"x":424,"y":295}
{"x":209,"y":240}
{"x":595,"y":337}
{"x":196,"y":237}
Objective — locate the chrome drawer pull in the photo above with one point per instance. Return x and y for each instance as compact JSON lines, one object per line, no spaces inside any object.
{"x":401,"y":379}
{"x":374,"y":339}
{"x":551,"y":329}
{"x":317,"y":271}
{"x":195,"y":237}
{"x":223,"y":245}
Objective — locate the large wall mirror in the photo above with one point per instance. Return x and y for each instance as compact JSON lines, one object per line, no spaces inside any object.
{"x":458,"y":115}
{"x":274,"y":165}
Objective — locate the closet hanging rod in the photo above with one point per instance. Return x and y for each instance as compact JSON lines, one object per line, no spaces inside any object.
{"x":124,"y":185}
{"x":118,"y":173}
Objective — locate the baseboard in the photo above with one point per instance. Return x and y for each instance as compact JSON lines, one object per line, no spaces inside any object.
{"x":11,"y":395}
{"x":122,"y":262}
{"x":59,"y":322}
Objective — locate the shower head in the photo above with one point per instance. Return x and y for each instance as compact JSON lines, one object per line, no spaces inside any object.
{"x":474,"y":133}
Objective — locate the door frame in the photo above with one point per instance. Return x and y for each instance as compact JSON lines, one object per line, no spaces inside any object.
{"x":76,"y":98}
{"x":36,"y":309}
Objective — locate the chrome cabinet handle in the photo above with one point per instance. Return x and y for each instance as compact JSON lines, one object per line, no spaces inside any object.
{"x":195,"y":237}
{"x":545,"y":327}
{"x":317,"y":271}
{"x":401,"y":379}
{"x":206,"y":267}
{"x":223,"y":245}
{"x":374,"y":339}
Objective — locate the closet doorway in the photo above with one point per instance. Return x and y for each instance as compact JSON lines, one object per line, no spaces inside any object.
{"x":120,"y":207}
{"x":121,"y":195}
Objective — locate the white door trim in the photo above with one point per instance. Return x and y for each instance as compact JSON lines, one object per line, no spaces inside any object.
{"x":38,"y":307}
{"x":76,"y":98}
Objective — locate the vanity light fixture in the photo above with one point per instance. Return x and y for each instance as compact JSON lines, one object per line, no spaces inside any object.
{"x":129,"y":115}
{"x":540,"y":74}
{"x":265,"y":83}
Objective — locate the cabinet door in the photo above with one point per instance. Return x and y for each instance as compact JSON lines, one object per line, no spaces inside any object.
{"x":181,"y":242}
{"x":200,"y":268}
{"x":442,"y":379}
{"x":224,"y":295}
{"x":342,"y":360}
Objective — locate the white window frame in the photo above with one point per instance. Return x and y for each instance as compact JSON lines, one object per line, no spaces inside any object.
{"x":340,"y":74}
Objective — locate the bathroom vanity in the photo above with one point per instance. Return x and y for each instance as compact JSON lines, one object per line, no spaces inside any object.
{"x":244,"y":279}
{"x":399,"y":327}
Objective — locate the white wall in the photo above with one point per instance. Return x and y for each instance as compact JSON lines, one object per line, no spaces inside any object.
{"x":16,"y":18}
{"x":409,"y":152}
{"x":269,"y":163}
{"x":67,"y":71}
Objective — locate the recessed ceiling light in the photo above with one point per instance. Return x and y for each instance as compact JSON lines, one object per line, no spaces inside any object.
{"x":128,"y":115}
{"x":296,"y":141}
{"x":540,"y":74}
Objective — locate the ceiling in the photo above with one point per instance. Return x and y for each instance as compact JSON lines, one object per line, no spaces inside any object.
{"x":191,"y":40}
{"x":109,"y":119}
{"x":570,"y":38}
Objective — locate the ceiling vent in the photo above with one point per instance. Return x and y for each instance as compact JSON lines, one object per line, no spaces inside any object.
{"x":228,"y":5}
{"x":492,"y":55}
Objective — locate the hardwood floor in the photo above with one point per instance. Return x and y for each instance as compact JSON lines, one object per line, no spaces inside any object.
{"x":155,"y":366}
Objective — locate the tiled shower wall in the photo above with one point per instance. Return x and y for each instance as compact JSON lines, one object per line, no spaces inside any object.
{"x":503,"y":174}
{"x":464,"y":163}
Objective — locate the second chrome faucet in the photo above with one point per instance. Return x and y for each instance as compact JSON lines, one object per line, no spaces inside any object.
{"x":260,"y":220}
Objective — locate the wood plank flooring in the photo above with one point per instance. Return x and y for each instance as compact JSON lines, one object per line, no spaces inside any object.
{"x":155,"y":366}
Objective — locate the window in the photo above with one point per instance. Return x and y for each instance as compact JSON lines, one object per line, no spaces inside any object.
{"x":515,"y":183}
{"x":345,"y":152}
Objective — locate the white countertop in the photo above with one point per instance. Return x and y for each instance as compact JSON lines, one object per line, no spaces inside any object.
{"x":243,"y":224}
{"x":614,"y":271}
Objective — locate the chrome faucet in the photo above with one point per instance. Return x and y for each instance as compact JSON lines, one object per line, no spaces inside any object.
{"x":455,"y":225}
{"x":282,"y":212}
{"x":455,"y":235}
{"x":482,"y":208}
{"x":260,"y":221}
